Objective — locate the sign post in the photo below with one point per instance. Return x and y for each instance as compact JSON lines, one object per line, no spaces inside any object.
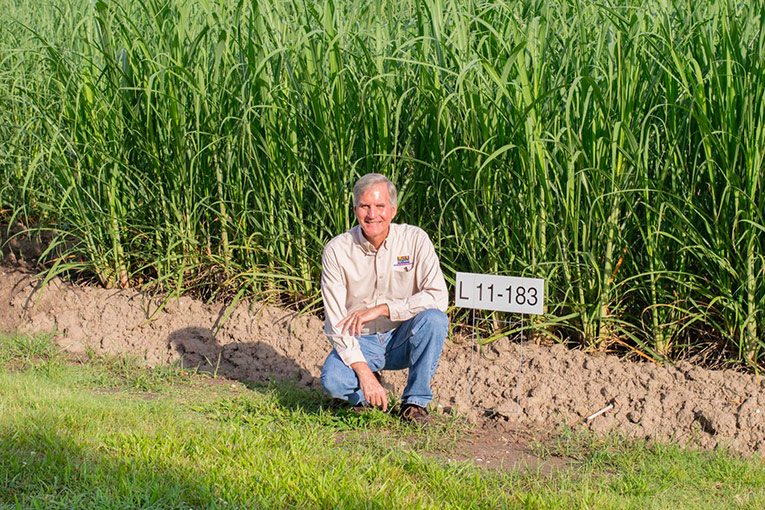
{"x":523,"y":296}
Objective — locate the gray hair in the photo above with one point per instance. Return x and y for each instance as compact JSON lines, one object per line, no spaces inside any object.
{"x":369,"y":180}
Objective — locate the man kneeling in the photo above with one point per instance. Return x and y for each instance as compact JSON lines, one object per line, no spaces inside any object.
{"x":384,"y":299}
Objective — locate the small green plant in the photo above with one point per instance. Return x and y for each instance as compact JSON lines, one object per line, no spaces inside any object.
{"x":36,"y":352}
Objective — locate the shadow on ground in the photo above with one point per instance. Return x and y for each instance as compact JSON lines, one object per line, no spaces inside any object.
{"x":242,"y":361}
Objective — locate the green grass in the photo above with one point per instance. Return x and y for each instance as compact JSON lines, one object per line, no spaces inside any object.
{"x":67,"y":440}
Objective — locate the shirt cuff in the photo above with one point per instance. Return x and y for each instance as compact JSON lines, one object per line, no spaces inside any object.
{"x":397,"y":309}
{"x":351,"y":356}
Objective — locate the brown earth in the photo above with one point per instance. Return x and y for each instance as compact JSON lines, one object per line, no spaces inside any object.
{"x":682,"y":403}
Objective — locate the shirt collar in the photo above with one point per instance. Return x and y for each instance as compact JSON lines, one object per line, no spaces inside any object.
{"x":366,"y":246}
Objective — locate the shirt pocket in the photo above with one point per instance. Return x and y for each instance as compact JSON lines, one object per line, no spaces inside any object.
{"x":402,"y":283}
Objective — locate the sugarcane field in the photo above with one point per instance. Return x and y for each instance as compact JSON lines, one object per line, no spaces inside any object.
{"x":344,"y":254}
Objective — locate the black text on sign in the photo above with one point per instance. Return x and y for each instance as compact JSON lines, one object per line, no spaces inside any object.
{"x":499,"y":293}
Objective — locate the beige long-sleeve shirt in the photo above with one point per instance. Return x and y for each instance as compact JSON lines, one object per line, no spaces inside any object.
{"x":404,"y":274}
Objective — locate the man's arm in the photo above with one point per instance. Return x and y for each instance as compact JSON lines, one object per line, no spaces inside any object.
{"x":373,"y":391}
{"x":334,"y":292}
{"x":354,"y":322}
{"x":341,"y":329}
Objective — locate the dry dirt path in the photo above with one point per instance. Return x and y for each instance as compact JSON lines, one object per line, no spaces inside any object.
{"x":684,"y":403}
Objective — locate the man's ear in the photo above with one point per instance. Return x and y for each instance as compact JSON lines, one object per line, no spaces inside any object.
{"x":395,"y":210}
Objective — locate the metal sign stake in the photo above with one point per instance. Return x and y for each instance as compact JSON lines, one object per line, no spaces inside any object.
{"x":521,"y":296}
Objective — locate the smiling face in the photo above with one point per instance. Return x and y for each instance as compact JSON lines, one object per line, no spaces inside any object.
{"x":375,"y":212}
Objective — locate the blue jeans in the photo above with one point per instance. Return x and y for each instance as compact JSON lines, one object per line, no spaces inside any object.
{"x":415,"y":345}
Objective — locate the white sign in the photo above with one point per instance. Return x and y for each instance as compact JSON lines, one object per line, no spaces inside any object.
{"x":500,"y":293}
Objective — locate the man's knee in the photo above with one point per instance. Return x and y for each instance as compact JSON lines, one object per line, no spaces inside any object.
{"x":431,"y":326}
{"x":433,"y":318}
{"x":333,"y":385}
{"x":333,"y":380}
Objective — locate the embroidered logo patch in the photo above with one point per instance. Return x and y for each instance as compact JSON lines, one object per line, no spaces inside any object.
{"x":403,"y":260}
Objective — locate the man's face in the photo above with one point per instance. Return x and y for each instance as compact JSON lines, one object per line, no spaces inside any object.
{"x":375,"y":213}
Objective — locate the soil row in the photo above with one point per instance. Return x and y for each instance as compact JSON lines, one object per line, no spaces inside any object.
{"x":531,"y":387}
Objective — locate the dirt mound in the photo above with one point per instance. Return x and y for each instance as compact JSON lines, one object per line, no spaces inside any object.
{"x":685,"y":403}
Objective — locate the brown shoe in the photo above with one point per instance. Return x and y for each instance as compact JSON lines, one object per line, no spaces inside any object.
{"x":416,"y":415}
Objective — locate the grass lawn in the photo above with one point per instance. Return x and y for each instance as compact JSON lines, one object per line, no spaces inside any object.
{"x":108,"y":433}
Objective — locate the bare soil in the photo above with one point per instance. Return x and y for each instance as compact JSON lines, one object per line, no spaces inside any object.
{"x":683,"y":403}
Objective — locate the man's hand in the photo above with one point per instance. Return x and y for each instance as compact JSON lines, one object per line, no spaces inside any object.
{"x":373,"y":391}
{"x":353,"y":323}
